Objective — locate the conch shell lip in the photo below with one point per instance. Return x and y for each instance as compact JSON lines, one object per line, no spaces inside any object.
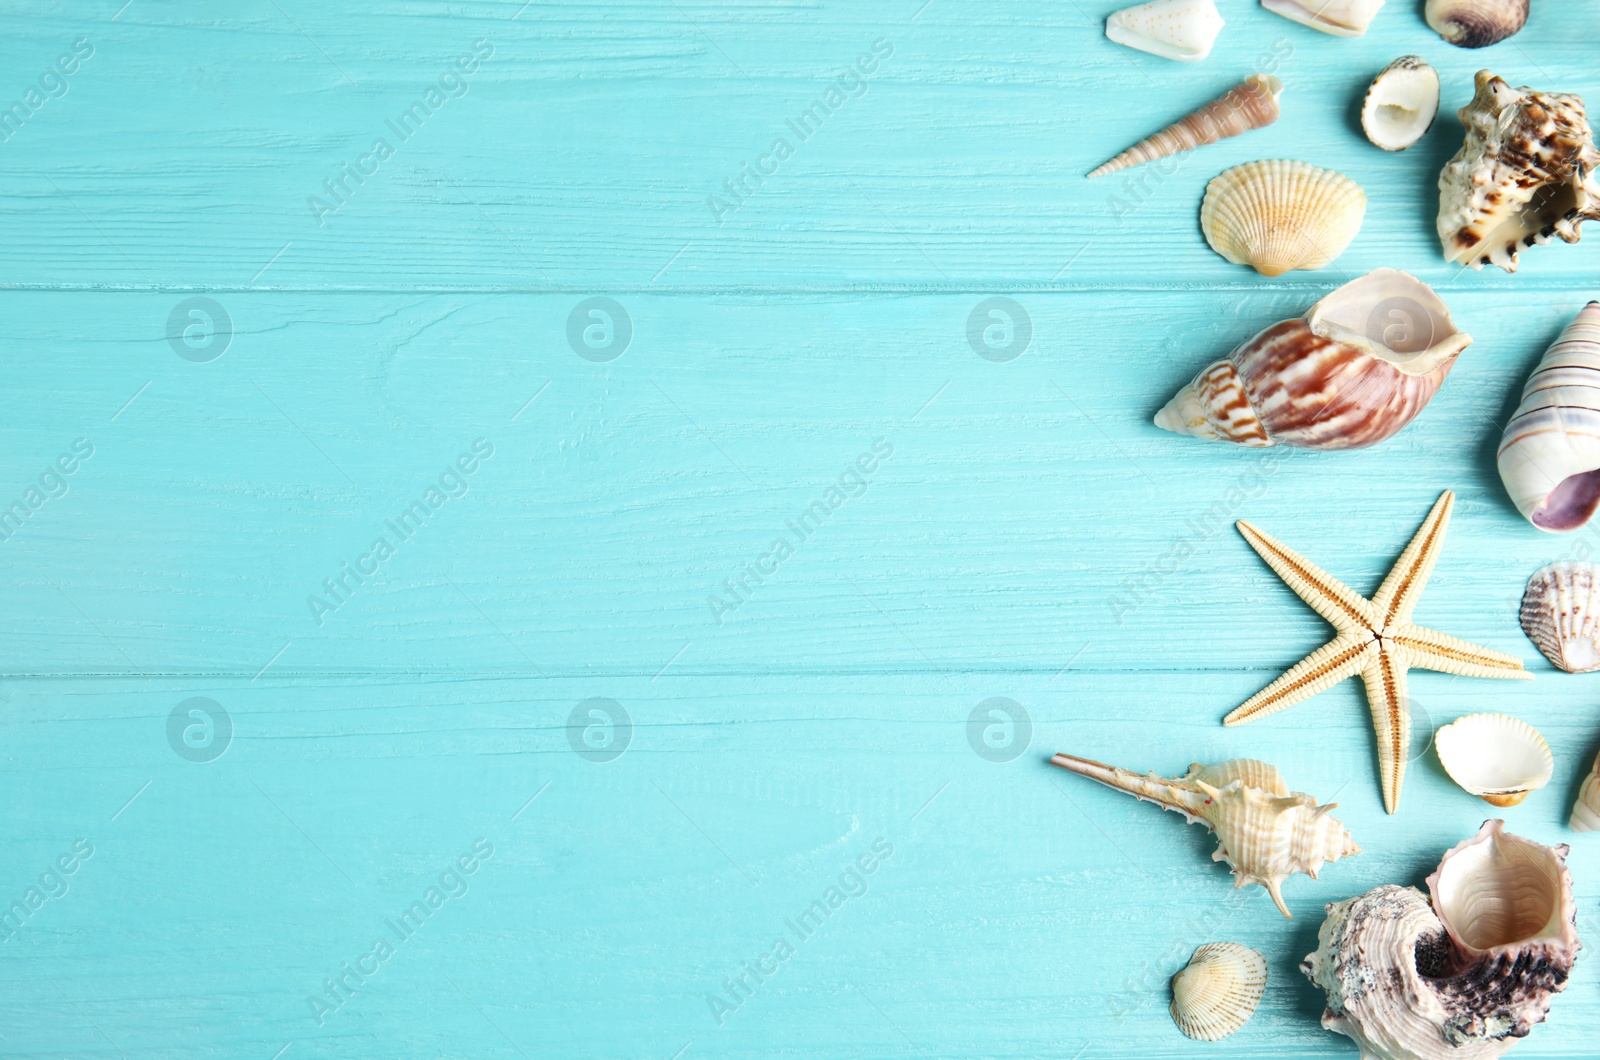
{"x":1410,"y":328}
{"x":1488,"y":930}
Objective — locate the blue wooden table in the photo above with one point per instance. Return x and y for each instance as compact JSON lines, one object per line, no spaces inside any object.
{"x":533,"y":539}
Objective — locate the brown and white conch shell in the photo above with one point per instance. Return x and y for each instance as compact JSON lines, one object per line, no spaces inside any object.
{"x":1561,"y":615}
{"x":1264,"y":831}
{"x":1279,"y":214}
{"x":1549,"y":455}
{"x":1350,"y":373}
{"x":1251,"y":104}
{"x":1217,"y":992}
{"x":1586,"y":811}
{"x":1525,"y":172}
{"x":1465,"y":979}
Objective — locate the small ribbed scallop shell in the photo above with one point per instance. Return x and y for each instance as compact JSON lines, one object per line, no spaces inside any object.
{"x":1549,"y":455}
{"x":1280,"y":215}
{"x":1252,"y":104}
{"x":1496,"y":757}
{"x":1586,"y":811}
{"x":1476,"y":23}
{"x":1561,"y":615}
{"x":1216,"y":993}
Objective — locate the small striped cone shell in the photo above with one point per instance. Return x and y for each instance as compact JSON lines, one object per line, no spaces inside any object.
{"x":1252,"y":104}
{"x":1280,"y":215}
{"x":1586,"y":811}
{"x":1550,"y":452}
{"x":1217,"y":992}
{"x":1561,"y":615}
{"x":1355,"y":369}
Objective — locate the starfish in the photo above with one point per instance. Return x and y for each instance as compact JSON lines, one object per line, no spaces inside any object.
{"x":1375,"y":638}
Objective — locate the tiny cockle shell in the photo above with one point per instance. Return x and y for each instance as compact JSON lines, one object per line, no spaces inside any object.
{"x":1173,"y":29}
{"x":1476,"y":23}
{"x":1561,"y":615}
{"x":1217,"y":992}
{"x":1496,"y":757}
{"x":1401,"y":103}
{"x":1278,"y":215}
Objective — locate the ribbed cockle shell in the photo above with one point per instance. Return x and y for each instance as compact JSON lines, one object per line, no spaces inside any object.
{"x":1350,"y":373}
{"x":1265,"y":832}
{"x":1550,"y":452}
{"x":1561,"y":615}
{"x":1217,"y":992}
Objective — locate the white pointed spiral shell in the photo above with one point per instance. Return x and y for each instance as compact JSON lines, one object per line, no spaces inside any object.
{"x":1549,"y":455}
{"x":1279,"y":214}
{"x":1217,"y":992}
{"x":1561,"y":615}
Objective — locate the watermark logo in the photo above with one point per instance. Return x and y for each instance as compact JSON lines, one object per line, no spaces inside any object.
{"x":999,"y":730}
{"x":199,"y":729}
{"x":1402,"y":324}
{"x":999,"y":329}
{"x":599,"y":729}
{"x":199,"y":329}
{"x":599,"y":329}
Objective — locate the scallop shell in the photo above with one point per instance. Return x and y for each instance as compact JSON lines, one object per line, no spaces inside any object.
{"x":1354,"y":370}
{"x":1525,"y":173}
{"x":1464,"y":980}
{"x":1280,"y":215}
{"x":1586,"y":811}
{"x":1549,"y":455}
{"x":1342,"y":18}
{"x":1561,"y":615}
{"x":1265,"y":832}
{"x":1252,"y":104}
{"x":1216,"y":993}
{"x":1173,"y":29}
{"x":1496,"y":757}
{"x":1401,"y":104}
{"x":1476,"y":23}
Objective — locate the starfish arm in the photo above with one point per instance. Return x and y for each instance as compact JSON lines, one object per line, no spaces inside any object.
{"x":1399,"y":592}
{"x":1429,"y":649}
{"x":1385,"y":677}
{"x":1328,"y":596}
{"x":1342,"y":657}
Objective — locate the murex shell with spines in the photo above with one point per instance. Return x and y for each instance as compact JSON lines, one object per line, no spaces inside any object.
{"x":1525,"y":173}
{"x":1350,"y":373}
{"x":1549,"y":457}
{"x":1265,"y":832}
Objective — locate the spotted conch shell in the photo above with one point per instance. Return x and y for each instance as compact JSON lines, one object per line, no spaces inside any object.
{"x":1350,"y":373}
{"x":1464,"y":979}
{"x":1526,"y":172}
{"x":1251,"y":104}
{"x":1550,"y":451}
{"x":1264,"y":831}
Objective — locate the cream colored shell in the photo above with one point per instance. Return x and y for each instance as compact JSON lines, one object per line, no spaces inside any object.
{"x":1279,"y":215}
{"x":1586,"y":811}
{"x":1341,"y":18}
{"x":1549,"y":457}
{"x":1561,"y":615}
{"x":1496,"y":757}
{"x":1183,"y":30}
{"x":1217,"y":992}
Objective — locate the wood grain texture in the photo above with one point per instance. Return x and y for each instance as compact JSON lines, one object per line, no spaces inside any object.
{"x":1030,"y":534}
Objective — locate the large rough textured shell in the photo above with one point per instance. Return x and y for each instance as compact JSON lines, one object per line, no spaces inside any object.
{"x":1586,"y":811}
{"x":1549,"y":456}
{"x":1279,"y":215}
{"x":1525,"y":173}
{"x":1173,"y":29}
{"x":1465,"y":979}
{"x":1342,"y":18}
{"x":1561,"y":615}
{"x":1354,"y":370}
{"x":1265,"y":832}
{"x":1216,"y":993}
{"x":1401,"y":103}
{"x":1476,"y":23}
{"x":1496,"y":757}
{"x":1251,"y":104}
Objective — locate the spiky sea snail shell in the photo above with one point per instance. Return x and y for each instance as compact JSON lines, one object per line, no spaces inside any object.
{"x":1401,"y":103}
{"x":1561,"y":615}
{"x":1251,"y":104}
{"x":1496,"y":757}
{"x":1183,"y":30}
{"x":1217,"y":992}
{"x":1525,"y":173}
{"x":1586,"y":811}
{"x":1341,"y":18}
{"x":1549,"y":456}
{"x":1464,"y":979}
{"x":1476,"y":23}
{"x":1350,"y":373}
{"x":1264,"y":831}
{"x":1278,"y":215}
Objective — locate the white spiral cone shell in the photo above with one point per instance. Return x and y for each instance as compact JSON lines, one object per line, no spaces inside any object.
{"x":1549,"y":455}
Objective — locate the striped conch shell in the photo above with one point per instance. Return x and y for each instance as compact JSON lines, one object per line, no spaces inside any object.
{"x":1550,"y":452}
{"x":1586,"y":811}
{"x":1217,"y":992}
{"x":1251,"y":104}
{"x":1264,"y":831}
{"x":1350,"y":373}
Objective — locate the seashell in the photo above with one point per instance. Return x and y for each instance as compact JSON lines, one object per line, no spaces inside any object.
{"x":1265,"y":832}
{"x":1495,"y":757}
{"x":1251,"y":104}
{"x":1476,"y":23}
{"x":1525,"y":172}
{"x":1342,"y":18}
{"x":1173,"y":29}
{"x":1401,"y":104}
{"x":1586,"y":811}
{"x":1549,"y":455}
{"x":1281,"y":215}
{"x":1465,"y":979}
{"x":1350,"y":373}
{"x":1216,"y":993}
{"x":1561,"y":615}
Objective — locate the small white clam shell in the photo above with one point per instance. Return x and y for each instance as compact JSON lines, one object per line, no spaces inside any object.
{"x":1183,"y":30}
{"x":1278,"y":215}
{"x":1561,"y":615}
{"x":1401,"y":104}
{"x":1342,"y":18}
{"x":1496,"y":757}
{"x":1216,"y":993}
